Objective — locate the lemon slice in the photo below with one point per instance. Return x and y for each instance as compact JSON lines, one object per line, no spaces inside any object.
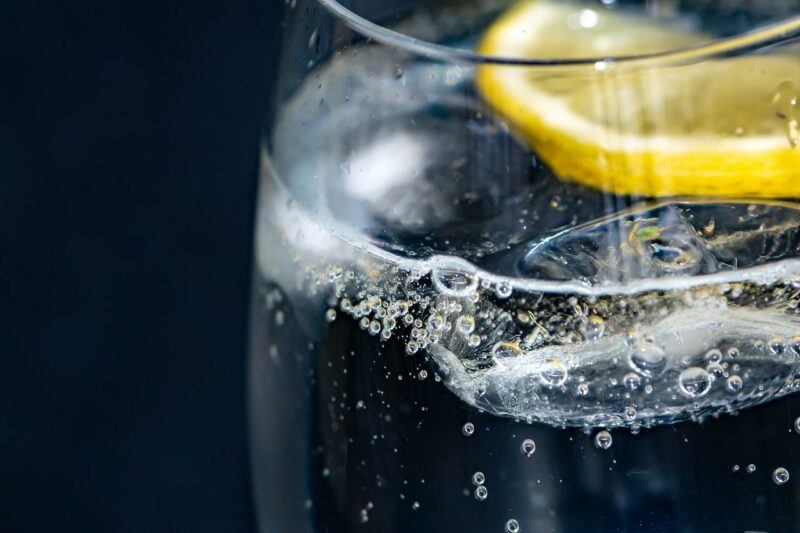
{"x":721,"y":127}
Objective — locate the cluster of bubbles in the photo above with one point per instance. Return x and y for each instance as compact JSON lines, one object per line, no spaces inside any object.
{"x":481,"y":492}
{"x":591,"y":360}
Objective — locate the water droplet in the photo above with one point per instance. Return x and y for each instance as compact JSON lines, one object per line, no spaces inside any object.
{"x":603,"y":440}
{"x":593,"y":328}
{"x":734,"y":383}
{"x":631,"y":381}
{"x":512,"y":526}
{"x":468,"y":429}
{"x":780,"y":475}
{"x":553,"y":373}
{"x":713,"y":356}
{"x":478,"y":479}
{"x":528,"y":447}
{"x":454,"y":282}
{"x":694,"y":382}
{"x":330,"y":315}
{"x":648,"y":359}
{"x":481,"y":492}
{"x":751,"y":468}
{"x":465,"y":324}
{"x":503,"y":289}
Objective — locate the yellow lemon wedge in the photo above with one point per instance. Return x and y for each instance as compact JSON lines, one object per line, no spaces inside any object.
{"x":720,"y":127}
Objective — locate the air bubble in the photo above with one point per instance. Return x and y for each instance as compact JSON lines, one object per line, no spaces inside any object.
{"x":583,"y":389}
{"x":512,"y":526}
{"x":797,"y":424}
{"x":603,"y":440}
{"x":422,"y":374}
{"x":715,"y":370}
{"x":528,"y":447}
{"x":374,"y":327}
{"x":481,"y":493}
{"x":330,"y":315}
{"x":713,"y":356}
{"x":780,"y":475}
{"x":465,"y":324}
{"x":632,"y":381}
{"x":553,"y":373}
{"x":503,"y":349}
{"x":647,"y":358}
{"x":593,"y":328}
{"x":454,"y":282}
{"x":751,"y":468}
{"x":777,"y":345}
{"x":412,"y":347}
{"x":503,"y":289}
{"x":734,"y":383}
{"x":474,"y":341}
{"x":468,"y":429}
{"x":694,"y":382}
{"x":478,"y":479}
{"x":630,"y":413}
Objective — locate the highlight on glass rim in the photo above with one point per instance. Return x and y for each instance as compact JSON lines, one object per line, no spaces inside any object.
{"x":529,"y":266}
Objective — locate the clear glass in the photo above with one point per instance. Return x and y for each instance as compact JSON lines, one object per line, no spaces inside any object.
{"x":497,"y":290}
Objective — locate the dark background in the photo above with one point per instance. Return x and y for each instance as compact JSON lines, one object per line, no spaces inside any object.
{"x":128,"y":156}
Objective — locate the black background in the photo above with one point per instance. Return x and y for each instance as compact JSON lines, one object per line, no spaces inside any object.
{"x":128,"y":157}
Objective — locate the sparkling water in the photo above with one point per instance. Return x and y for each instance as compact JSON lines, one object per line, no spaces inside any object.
{"x":427,"y":289}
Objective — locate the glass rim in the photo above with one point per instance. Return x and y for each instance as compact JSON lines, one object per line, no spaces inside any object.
{"x":767,"y":35}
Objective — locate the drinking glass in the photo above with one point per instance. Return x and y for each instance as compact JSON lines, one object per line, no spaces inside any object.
{"x":503,"y":283}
